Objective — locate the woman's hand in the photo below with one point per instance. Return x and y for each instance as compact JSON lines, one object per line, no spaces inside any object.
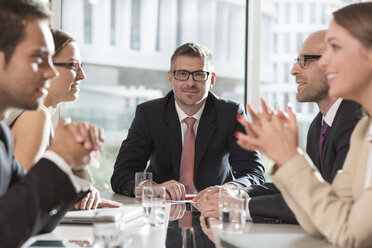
{"x":275,"y":135}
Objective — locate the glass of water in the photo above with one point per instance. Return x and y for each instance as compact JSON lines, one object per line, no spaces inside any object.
{"x":108,"y":229}
{"x":153,"y":202}
{"x":232,"y":214}
{"x":140,"y":178}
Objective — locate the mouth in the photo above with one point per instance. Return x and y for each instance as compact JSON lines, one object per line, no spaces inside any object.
{"x":75,"y":86}
{"x":300,"y":84}
{"x":43,"y":91}
{"x":331,"y":77}
{"x":190,"y":91}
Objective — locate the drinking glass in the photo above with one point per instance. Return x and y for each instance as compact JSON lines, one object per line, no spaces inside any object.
{"x":108,"y":229}
{"x":153,"y":202}
{"x":232,"y":214}
{"x":139,"y":179}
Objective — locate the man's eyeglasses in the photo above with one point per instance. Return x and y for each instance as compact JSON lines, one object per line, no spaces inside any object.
{"x":199,"y":76}
{"x":75,"y":65}
{"x":302,"y":59}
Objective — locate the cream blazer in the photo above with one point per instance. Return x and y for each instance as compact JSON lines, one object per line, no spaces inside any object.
{"x":341,"y":212}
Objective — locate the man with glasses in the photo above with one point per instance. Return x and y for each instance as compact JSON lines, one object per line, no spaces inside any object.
{"x":327,"y":139}
{"x":188,"y":135}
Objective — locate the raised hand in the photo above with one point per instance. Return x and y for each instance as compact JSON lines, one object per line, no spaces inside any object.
{"x":276,"y":135}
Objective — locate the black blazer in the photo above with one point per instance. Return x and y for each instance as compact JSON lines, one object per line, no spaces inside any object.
{"x":268,"y":205}
{"x":155,"y":134}
{"x":33,"y":203}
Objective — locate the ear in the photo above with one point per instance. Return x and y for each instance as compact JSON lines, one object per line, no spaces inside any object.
{"x":213,"y":79}
{"x":170,"y":78}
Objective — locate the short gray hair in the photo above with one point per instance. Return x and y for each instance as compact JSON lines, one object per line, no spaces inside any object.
{"x":193,"y":50}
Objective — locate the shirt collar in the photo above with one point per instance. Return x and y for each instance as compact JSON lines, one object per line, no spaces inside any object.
{"x":182,"y":115}
{"x":331,"y":114}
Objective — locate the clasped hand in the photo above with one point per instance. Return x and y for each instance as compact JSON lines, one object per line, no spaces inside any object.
{"x":75,"y":142}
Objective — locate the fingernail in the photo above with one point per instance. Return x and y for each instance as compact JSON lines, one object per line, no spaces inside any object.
{"x":236,"y":134}
{"x":239,"y":117}
{"x":87,"y":145}
{"x":79,"y":138}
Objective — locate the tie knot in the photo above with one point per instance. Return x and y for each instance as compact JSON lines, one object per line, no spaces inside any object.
{"x":190,"y":121}
{"x":325,"y":128}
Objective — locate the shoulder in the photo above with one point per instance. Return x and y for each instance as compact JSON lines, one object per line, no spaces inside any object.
{"x":32,"y":121}
{"x":350,"y":110}
{"x":39,"y":116}
{"x":361,"y":129}
{"x":223,"y":105}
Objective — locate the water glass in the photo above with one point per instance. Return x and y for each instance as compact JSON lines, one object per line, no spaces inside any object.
{"x":108,"y":232}
{"x":153,"y":202}
{"x":139,"y":179}
{"x":232,"y":214}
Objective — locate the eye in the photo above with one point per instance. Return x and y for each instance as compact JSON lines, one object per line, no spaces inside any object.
{"x":38,"y":59}
{"x":181,"y":73}
{"x":335,"y":47}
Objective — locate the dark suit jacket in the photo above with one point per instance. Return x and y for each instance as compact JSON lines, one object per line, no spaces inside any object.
{"x":33,"y":203}
{"x":155,"y":134}
{"x":267,"y":204}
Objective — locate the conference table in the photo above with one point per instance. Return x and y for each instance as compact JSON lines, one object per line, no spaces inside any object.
{"x":204,"y":233}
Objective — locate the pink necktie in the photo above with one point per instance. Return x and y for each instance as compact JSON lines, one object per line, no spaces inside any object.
{"x":188,"y":157}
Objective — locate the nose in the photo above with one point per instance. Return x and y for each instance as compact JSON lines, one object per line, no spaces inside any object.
{"x":190,"y":80}
{"x":295,"y":69}
{"x":81,"y":74}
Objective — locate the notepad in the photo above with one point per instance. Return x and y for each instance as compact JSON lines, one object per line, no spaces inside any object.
{"x":111,"y":215}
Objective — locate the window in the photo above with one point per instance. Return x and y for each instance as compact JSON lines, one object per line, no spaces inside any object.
{"x":126,"y":47}
{"x":312,"y":13}
{"x":300,"y":12}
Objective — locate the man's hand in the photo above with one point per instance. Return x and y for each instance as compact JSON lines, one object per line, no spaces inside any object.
{"x":208,"y":201}
{"x":174,"y":190}
{"x":177,"y":211}
{"x":90,"y":201}
{"x":105,"y":203}
{"x":76,"y":141}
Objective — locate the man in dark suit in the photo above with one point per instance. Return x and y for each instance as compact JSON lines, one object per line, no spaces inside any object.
{"x":34,"y":203}
{"x":266,"y":204}
{"x":160,"y":132}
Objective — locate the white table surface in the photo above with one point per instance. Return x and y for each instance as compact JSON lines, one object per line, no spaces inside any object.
{"x":138,"y":235}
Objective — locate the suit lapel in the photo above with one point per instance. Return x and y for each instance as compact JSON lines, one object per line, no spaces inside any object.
{"x":327,"y":168}
{"x":313,"y":139}
{"x":206,"y":130}
{"x":174,"y":135}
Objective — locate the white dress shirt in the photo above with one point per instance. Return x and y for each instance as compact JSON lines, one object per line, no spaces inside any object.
{"x":182,"y":116}
{"x":331,"y":114}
